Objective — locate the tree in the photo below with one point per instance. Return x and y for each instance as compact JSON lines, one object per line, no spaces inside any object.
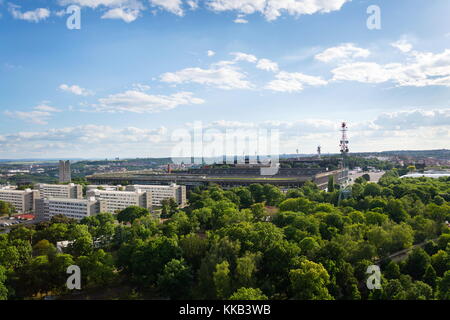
{"x":273,"y":195}
{"x":44,"y":248}
{"x":417,"y":263}
{"x":440,"y":262}
{"x":443,"y":288}
{"x":22,"y":233}
{"x":81,"y":246}
{"x":310,"y":281}
{"x":248,"y":294}
{"x":372,"y":189}
{"x":245,"y":197}
{"x":392,"y":271}
{"x":148,"y":258}
{"x":169,"y":207}
{"x":97,"y":269}
{"x":222,"y":280}
{"x":396,"y":211}
{"x":366,"y":177}
{"x":3,"y":289}
{"x":132,"y":213}
{"x":194,"y":249}
{"x":246,"y":268}
{"x":430,"y":276}
{"x":331,"y":184}
{"x":443,"y":241}
{"x":176,"y":280}
{"x":54,"y":233}
{"x":6,"y":208}
{"x":259,"y":211}
{"x":101,"y":227}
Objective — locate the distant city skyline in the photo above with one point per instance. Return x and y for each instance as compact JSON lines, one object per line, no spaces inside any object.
{"x":137,"y":71}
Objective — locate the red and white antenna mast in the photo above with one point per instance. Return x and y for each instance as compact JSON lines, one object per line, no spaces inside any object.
{"x":344,"y":140}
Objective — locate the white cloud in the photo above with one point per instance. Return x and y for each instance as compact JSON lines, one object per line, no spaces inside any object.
{"x":272,"y":9}
{"x":240,"y":56}
{"x":84,"y":141}
{"x":240,"y":20}
{"x":40,"y":114}
{"x":292,"y":82}
{"x":408,"y":129}
{"x":173,"y":6}
{"x":141,"y":102}
{"x":388,"y":131}
{"x":193,"y":4}
{"x":413,"y":119}
{"x":210,"y":53}
{"x":36,"y":15}
{"x":221,"y":76}
{"x":141,"y":87}
{"x":267,"y":65}
{"x":98,"y":3}
{"x":367,"y":72}
{"x":126,"y":14}
{"x":421,"y":69}
{"x":402,"y":45}
{"x":126,"y":10}
{"x":75,"y":89}
{"x":346,"y":51}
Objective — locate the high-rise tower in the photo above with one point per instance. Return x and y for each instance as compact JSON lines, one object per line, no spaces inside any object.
{"x":64,"y":171}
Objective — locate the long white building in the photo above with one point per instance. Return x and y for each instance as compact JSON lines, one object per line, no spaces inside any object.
{"x":22,"y":200}
{"x":66,"y":191}
{"x":163,"y":192}
{"x":118,"y":200}
{"x":104,"y":187}
{"x":72,"y":208}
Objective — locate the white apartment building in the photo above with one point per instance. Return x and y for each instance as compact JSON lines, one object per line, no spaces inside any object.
{"x":22,"y":200}
{"x":105,"y":187}
{"x":118,"y":200}
{"x":163,"y":192}
{"x":71,"y":208}
{"x":66,"y":191}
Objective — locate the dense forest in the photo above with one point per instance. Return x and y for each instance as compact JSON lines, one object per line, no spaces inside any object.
{"x":247,"y":243}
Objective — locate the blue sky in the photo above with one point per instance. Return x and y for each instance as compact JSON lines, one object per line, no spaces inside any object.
{"x":138,"y":70}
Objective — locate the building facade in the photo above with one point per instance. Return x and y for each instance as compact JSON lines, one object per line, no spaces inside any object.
{"x":163,"y":192}
{"x":22,"y":200}
{"x":64,"y":171}
{"x":116,"y":201}
{"x":66,"y":191}
{"x":78,"y":209}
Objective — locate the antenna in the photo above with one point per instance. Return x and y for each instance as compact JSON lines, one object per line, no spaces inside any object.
{"x":345,"y":190}
{"x":344,"y":139}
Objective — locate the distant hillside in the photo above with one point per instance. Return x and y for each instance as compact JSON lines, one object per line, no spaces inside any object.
{"x":443,"y":154}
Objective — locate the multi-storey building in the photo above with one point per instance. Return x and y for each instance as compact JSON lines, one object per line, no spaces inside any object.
{"x":67,"y":191}
{"x":118,"y":200}
{"x":22,"y":200}
{"x":71,"y":208}
{"x":105,"y":187}
{"x":64,"y":171}
{"x":163,"y":192}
